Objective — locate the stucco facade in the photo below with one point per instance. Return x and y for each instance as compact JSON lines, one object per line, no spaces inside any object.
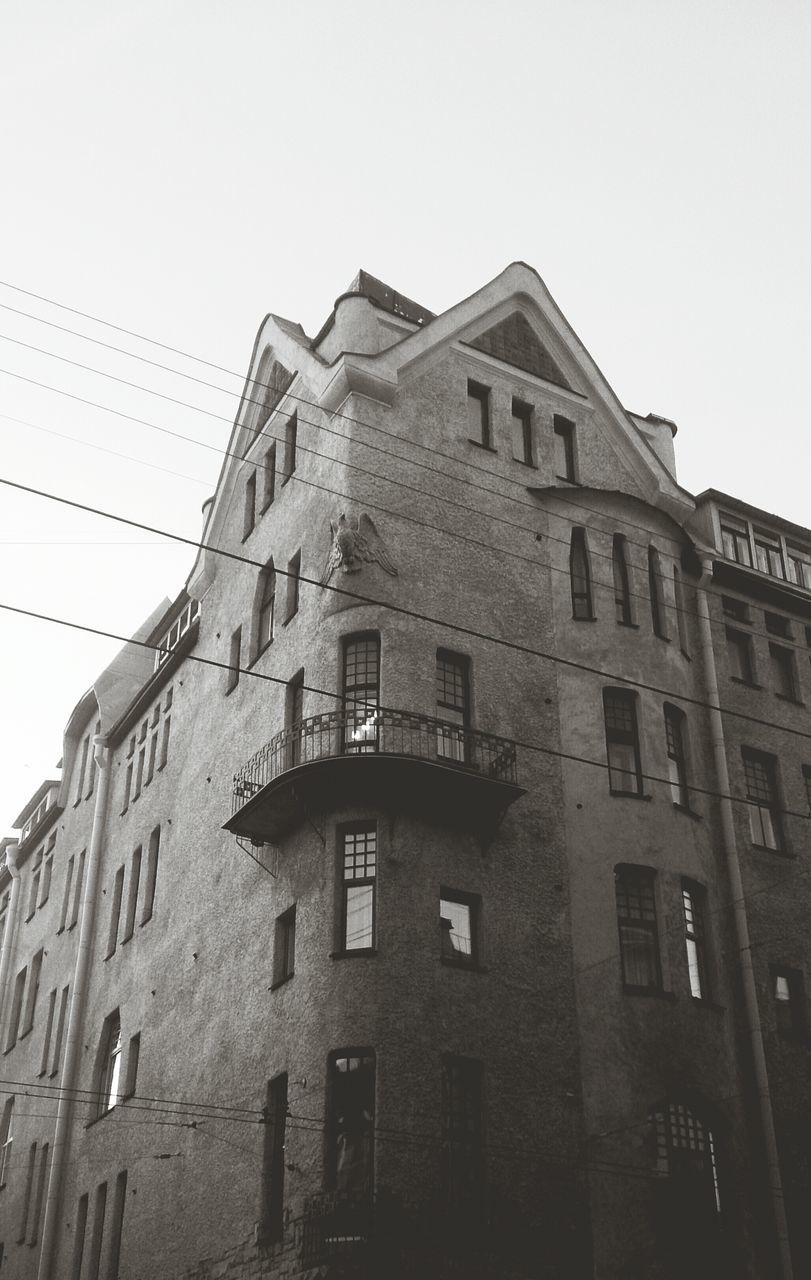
{"x":405,"y":914}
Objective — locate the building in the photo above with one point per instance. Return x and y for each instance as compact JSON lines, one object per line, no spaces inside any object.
{"x":423,"y":891}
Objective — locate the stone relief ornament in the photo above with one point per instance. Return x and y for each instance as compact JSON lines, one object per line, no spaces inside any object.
{"x":354,"y":543}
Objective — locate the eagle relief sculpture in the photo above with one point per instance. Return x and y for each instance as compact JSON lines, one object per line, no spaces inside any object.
{"x":354,"y":543}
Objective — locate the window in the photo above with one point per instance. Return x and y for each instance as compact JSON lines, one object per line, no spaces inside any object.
{"x":580,"y":575}
{"x":284,"y":948}
{"x":453,"y":704}
{"x":16,"y":1008}
{"x":781,"y":662}
{"x":33,"y":992}
{"x":361,"y":692}
{"x":458,"y":923}
{"x":39,"y":1194}
{"x":269,"y":478}
{"x":60,"y":1031}
{"x":737,"y":610}
{"x":778,"y":625}
{"x":179,"y":628}
{"x":47,"y":869}
{"x":115,"y":912}
{"x":798,"y":565}
{"x":4,"y":903}
{"x":622,"y":586}
{"x":739,"y":655}
{"x":78,"y":1238}
{"x":564,"y":449}
{"x":657,"y":596}
{"x":151,"y":875}
{"x":272,"y":1227}
{"x":350,"y":1122}
{"x":33,"y":892}
{"x":167,"y":727}
{"x":639,"y":935}
{"x":290,"y":446}
{"x":265,"y":607}
{"x":522,"y":431}
{"x":97,"y":1234}
{"x":234,"y":656}
{"x":294,"y":716}
{"x":807,"y":781}
{"x":132,"y":895}
{"x":769,"y":554}
{"x":681,"y":612}
{"x":293,"y":585}
{"x":685,"y":1154}
{"x":116,"y":1225}
{"x":463,"y":1149}
{"x":761,"y":791}
{"x":29,"y":1187}
{"x":675,"y":734}
{"x":478,"y":414}
{"x":46,"y":1043}
{"x":133,"y":1058}
{"x":82,"y":758}
{"x":693,"y":898}
{"x":735,"y":540}
{"x":622,"y":742}
{"x":788,"y":991}
{"x":128,"y":781}
{"x":77,"y":890}
{"x":358,"y":844}
{"x":109,"y":1066}
{"x":249,"y":513}
{"x":91,"y":770}
{"x":6,"y":1139}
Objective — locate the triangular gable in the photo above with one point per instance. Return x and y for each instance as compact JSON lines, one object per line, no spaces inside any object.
{"x":265,"y":394}
{"x":514,"y":341}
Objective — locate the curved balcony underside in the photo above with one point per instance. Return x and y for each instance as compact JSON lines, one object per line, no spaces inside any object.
{"x":375,"y":756}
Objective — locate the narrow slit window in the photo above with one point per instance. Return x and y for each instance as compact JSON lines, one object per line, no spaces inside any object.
{"x":46,"y":1042}
{"x":274,"y":1160}
{"x":564,"y":449}
{"x":657,"y":594}
{"x":249,"y":513}
{"x":290,"y":446}
{"x":77,"y":890}
{"x":463,"y":1130}
{"x":676,"y":736}
{"x":33,"y":992}
{"x":638,"y":930}
{"x":359,"y":876}
{"x":580,"y":576}
{"x":234,"y":657}
{"x":269,"y":478}
{"x":97,"y":1232}
{"x":765,"y":825}
{"x":115,"y":912}
{"x":622,"y":742}
{"x":522,"y":432}
{"x":60,"y":1031}
{"x":622,"y":585}
{"x":132,"y":895}
{"x":266,"y":607}
{"x":693,"y":898}
{"x":293,"y":585}
{"x":151,"y":875}
{"x":478,"y":414}
{"x":284,"y":950}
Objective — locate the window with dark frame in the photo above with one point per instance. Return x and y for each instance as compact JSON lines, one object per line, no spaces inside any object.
{"x":622,"y":584}
{"x":739,"y":655}
{"x":350,"y":1122}
{"x":777,"y":624}
{"x":249,"y":512}
{"x":478,"y":414}
{"x":463,"y":1130}
{"x":694,"y":897}
{"x":681,"y":611}
{"x":117,"y":1224}
{"x":293,"y":585}
{"x":675,"y":736}
{"x":686,"y":1153}
{"x":784,"y":678}
{"x":735,"y":540}
{"x":657,"y":594}
{"x":638,"y":929}
{"x":361,"y":692}
{"x":458,"y":923}
{"x":284,"y":946}
{"x":273,"y":1165}
{"x":564,"y":449}
{"x":452,"y":704}
{"x":269,"y":478}
{"x":358,"y":853}
{"x":234,"y":659}
{"x":737,"y":610}
{"x":765,"y":824}
{"x":798,"y":565}
{"x":580,"y":576}
{"x":769,"y":554}
{"x":522,"y":432}
{"x":622,"y":742}
{"x":265,"y":607}
{"x":290,"y":446}
{"x":788,"y":993}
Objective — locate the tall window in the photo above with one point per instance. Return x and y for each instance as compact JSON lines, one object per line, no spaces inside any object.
{"x":153,"y":854}
{"x":361,"y":692}
{"x":115,"y":912}
{"x":639,"y":934}
{"x":522,"y":431}
{"x":284,"y":948}
{"x":6,"y":1139}
{"x":580,"y":575}
{"x":685,"y":1154}
{"x":16,"y":1008}
{"x":765,"y":824}
{"x":293,"y":585}
{"x":249,"y":511}
{"x":60,"y":1031}
{"x":234,"y":657}
{"x":294,"y":715}
{"x":78,"y":1238}
{"x":290,"y":446}
{"x":350,"y":1124}
{"x":463,"y":1147}
{"x":46,"y":1043}
{"x":97,"y":1232}
{"x":798,"y":565}
{"x":622,"y":742}
{"x":739,"y":655}
{"x":132,"y":895}
{"x":675,"y":734}
{"x":33,"y":992}
{"x":109,"y":1068}
{"x":657,"y":595}
{"x":478,"y":414}
{"x":269,"y":478}
{"x":784,"y":681}
{"x":117,"y":1223}
{"x":265,"y":607}
{"x":788,"y":991}
{"x":807,"y":783}
{"x":769,"y":554}
{"x":735,"y":540}
{"x":274,"y":1161}
{"x":358,"y":844}
{"x":681,"y":612}
{"x":564,"y":448}
{"x":452,"y":704}
{"x":80,"y":773}
{"x":622,"y":585}
{"x":458,"y":922}
{"x":693,"y":898}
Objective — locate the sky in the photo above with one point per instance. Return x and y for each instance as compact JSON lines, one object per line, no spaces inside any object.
{"x":181,"y":168}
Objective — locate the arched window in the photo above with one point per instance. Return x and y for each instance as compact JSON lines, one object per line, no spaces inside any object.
{"x":657,"y":595}
{"x":108,"y":1074}
{"x":686,"y":1156}
{"x":580,"y":576}
{"x":622,"y":586}
{"x":265,"y":608}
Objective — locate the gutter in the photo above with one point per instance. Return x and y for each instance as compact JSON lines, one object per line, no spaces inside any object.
{"x":753,"y":1024}
{"x":81,"y":975}
{"x":12,"y":852}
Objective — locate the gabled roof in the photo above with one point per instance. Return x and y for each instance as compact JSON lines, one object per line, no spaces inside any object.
{"x":40,"y":794}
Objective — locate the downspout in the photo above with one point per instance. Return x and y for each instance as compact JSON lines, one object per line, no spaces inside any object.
{"x":70,"y":1068}
{"x":747,"y":972}
{"x":11,"y":921}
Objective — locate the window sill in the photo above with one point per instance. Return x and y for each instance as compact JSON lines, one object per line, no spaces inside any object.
{"x":569,"y":480}
{"x":274,"y":986}
{"x":713,"y":1005}
{"x":633,"y":626}
{"x":290,"y":619}
{"x":688,"y":812}
{"x":590,"y":619}
{"x":266,"y":507}
{"x":657,"y":993}
{"x":488,"y":448}
{"x":96,"y":1119}
{"x":748,"y":684}
{"x":785,"y":697}
{"x":472,"y":966}
{"x":777,"y":853}
{"x":349,"y":955}
{"x":525,"y":463}
{"x":629,"y":795}
{"x":285,"y":479}
{"x":258,"y":655}
{"x":247,"y":535}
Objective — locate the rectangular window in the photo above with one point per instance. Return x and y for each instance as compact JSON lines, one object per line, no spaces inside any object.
{"x":269,"y":478}
{"x":91,"y":771}
{"x":47,"y":870}
{"x":290,"y":446}
{"x":33,"y":992}
{"x":139,"y":773}
{"x":350,"y":1122}
{"x":765,"y":823}
{"x":462,"y":1123}
{"x":675,"y":734}
{"x":735,"y":540}
{"x":78,"y":1238}
{"x":807,"y":782}
{"x":564,"y":448}
{"x":6,"y":1139}
{"x":657,"y":594}
{"x":769,"y":554}
{"x":478,"y":414}
{"x":82,"y":757}
{"x":127,"y":788}
{"x":151,"y":875}
{"x":458,"y":923}
{"x":16,"y":1008}
{"x":29,"y":1189}
{"x":638,"y":932}
{"x":788,"y":991}
{"x":452,"y":704}
{"x":97,"y":1233}
{"x":33,"y":892}
{"x":234,"y":659}
{"x":116,"y":1224}
{"x":293,"y":719}
{"x":133,"y":1058}
{"x":293,"y":585}
{"x":167,"y":724}
{"x":60,"y":1031}
{"x":249,"y":512}
{"x":361,"y":692}
{"x":737,"y":610}
{"x":39,"y":1194}
{"x":46,"y":1043}
{"x":580,"y":576}
{"x":115,"y":912}
{"x":284,"y":947}
{"x":358,"y":873}
{"x":693,"y":898}
{"x":681,"y":612}
{"x":522,"y":431}
{"x":798,"y":565}
{"x":784,"y":680}
{"x":622,"y":742}
{"x":132,"y":895}
{"x":777,"y":624}
{"x":739,"y":656}
{"x":274,"y":1161}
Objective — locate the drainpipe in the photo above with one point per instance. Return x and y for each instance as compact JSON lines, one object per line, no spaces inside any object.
{"x":81,"y":975}
{"x":747,"y":972}
{"x":11,"y":921}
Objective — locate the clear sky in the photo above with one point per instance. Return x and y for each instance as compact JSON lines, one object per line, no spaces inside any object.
{"x":181,"y":167}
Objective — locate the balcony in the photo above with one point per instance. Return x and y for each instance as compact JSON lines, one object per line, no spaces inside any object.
{"x":374,"y":755}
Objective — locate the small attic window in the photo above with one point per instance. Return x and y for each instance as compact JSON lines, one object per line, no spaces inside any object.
{"x":564,"y":449}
